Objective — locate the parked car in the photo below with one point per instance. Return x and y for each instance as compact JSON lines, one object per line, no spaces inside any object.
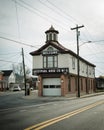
{"x":16,"y":88}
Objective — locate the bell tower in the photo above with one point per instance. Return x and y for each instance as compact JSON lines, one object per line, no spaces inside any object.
{"x":51,"y":35}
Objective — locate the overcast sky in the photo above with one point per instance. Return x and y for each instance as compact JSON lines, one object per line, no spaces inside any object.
{"x":27,"y":20}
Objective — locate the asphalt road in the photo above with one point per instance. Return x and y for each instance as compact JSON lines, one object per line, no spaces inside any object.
{"x":17,"y":113}
{"x":14,"y":99}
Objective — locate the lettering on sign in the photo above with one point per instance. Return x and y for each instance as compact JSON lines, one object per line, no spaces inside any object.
{"x":52,"y":70}
{"x":49,"y":52}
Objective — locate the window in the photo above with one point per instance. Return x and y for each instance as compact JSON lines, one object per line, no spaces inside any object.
{"x":73,"y":62}
{"x":82,"y":67}
{"x":50,"y":36}
{"x":45,"y":86}
{"x":54,"y":35}
{"x":50,"y":61}
{"x":89,"y":71}
{"x":44,"y":61}
{"x":50,"y":58}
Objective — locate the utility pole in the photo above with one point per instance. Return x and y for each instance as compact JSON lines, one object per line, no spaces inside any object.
{"x":24,"y":71}
{"x":77,"y":38}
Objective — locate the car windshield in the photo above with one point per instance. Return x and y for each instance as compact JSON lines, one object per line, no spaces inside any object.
{"x":15,"y":86}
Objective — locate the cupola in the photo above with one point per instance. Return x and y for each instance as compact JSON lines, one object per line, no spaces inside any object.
{"x":51,"y":35}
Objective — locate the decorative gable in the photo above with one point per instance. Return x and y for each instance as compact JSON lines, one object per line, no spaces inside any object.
{"x":50,"y":50}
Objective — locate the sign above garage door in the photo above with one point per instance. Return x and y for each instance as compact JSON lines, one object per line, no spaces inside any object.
{"x":50,"y":70}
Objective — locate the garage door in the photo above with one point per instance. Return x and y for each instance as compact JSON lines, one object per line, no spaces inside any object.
{"x":51,"y":87}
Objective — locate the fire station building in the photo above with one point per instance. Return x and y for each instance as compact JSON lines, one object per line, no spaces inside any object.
{"x":56,"y":67}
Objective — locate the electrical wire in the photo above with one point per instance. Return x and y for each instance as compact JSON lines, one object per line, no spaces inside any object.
{"x":45,"y":13}
{"x":17,"y":19}
{"x":8,"y":61}
{"x":10,"y":53}
{"x":72,"y":19}
{"x":39,"y":13}
{"x":22,"y":43}
{"x":57,"y":12}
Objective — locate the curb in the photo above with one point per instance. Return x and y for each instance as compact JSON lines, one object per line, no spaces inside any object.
{"x":34,"y":95}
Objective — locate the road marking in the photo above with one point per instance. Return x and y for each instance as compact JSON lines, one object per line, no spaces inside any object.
{"x":62,"y":117}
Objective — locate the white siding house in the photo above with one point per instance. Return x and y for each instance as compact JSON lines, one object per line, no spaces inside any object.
{"x":12,"y":78}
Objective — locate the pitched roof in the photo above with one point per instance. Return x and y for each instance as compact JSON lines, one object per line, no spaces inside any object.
{"x":52,"y":43}
{"x":7,"y":72}
{"x":51,"y":29}
{"x":61,"y":49}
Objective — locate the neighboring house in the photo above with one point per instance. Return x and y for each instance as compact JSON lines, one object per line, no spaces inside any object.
{"x":1,"y":81}
{"x":56,"y":67}
{"x":4,"y":81}
{"x":12,"y":78}
{"x":8,"y":78}
{"x":100,"y":83}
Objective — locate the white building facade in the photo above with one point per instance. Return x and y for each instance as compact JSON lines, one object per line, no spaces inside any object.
{"x":56,"y":67}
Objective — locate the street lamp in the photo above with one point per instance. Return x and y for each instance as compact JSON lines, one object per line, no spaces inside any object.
{"x":85,"y":43}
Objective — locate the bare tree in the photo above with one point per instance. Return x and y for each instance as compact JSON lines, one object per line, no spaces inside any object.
{"x":18,"y":69}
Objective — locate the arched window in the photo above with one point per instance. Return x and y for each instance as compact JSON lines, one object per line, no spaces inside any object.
{"x":55,"y":37}
{"x":50,"y":36}
{"x":50,"y":49}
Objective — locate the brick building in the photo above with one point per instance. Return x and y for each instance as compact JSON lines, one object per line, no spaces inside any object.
{"x":56,"y":67}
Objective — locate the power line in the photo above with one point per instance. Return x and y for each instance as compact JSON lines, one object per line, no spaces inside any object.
{"x":60,"y":10}
{"x":9,"y":53}
{"x":43,"y":13}
{"x":8,"y":61}
{"x":39,"y":13}
{"x":68,"y":16}
{"x":17,"y":41}
{"x":100,"y":71}
{"x":94,"y":48}
{"x":17,"y":19}
{"x":32,"y":11}
{"x":94,"y":53}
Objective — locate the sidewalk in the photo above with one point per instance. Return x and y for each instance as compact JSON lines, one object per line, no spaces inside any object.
{"x":34,"y":95}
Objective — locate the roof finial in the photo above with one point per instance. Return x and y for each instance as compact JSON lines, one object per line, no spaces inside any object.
{"x":51,"y":28}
